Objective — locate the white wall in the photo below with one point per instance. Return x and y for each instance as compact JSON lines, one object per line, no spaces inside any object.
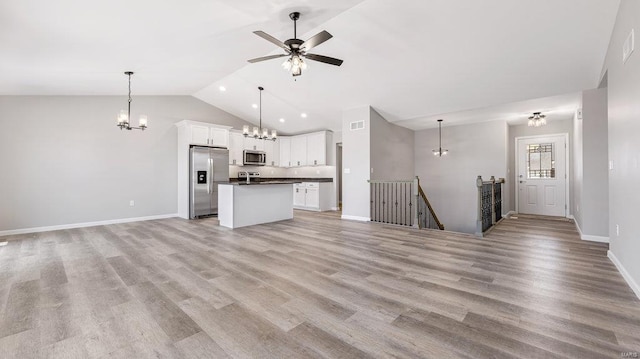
{"x":64,"y":161}
{"x":624,"y":146}
{"x":591,"y":177}
{"x":552,"y":127}
{"x":391,"y":150}
{"x":356,"y":158}
{"x":450,"y":181}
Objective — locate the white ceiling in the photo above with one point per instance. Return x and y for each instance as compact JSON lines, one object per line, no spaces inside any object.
{"x":412,"y":60}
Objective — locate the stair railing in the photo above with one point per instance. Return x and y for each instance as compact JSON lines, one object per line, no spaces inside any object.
{"x":401,"y":202}
{"x":489,"y":204}
{"x":427,"y":217}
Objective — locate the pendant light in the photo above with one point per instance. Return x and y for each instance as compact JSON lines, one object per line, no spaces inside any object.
{"x":440,"y":151}
{"x":259,"y":132}
{"x":125,"y":115}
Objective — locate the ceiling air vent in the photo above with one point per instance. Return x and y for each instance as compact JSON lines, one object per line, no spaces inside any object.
{"x":357,"y":125}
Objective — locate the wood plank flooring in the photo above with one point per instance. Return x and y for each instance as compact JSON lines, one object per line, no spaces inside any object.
{"x":312,"y":287}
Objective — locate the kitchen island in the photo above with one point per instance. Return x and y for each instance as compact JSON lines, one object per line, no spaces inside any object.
{"x":241,"y":204}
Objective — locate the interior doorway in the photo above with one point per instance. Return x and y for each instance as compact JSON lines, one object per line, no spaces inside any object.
{"x":339,"y":175}
{"x":542,"y":175}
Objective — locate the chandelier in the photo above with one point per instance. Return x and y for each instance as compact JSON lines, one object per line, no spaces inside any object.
{"x":537,"y":120}
{"x":440,"y":151}
{"x":125,"y":115}
{"x":259,"y":132}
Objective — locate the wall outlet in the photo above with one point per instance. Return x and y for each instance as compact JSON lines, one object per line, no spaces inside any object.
{"x":578,"y":208}
{"x":132,"y":203}
{"x":317,"y":172}
{"x":295,"y":172}
{"x":347,"y":170}
{"x":617,"y":230}
{"x":611,"y":165}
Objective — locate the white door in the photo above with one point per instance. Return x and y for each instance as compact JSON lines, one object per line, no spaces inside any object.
{"x":542,"y":175}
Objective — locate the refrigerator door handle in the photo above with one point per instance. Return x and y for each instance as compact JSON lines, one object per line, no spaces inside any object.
{"x":210,"y":174}
{"x":209,"y":179}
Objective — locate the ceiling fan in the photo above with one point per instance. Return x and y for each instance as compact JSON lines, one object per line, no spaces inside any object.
{"x":297,"y":49}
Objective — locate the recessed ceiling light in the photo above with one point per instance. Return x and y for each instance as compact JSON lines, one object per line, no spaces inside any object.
{"x":254,"y":105}
{"x":282,"y":120}
{"x":223,"y":89}
{"x":303,"y":115}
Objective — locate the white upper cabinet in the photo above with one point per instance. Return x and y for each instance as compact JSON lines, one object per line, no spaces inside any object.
{"x":317,"y":148}
{"x":285,"y":151}
{"x":206,"y":134}
{"x":236,"y":146}
{"x":272,"y":149}
{"x":253,"y":144}
{"x":299,"y":151}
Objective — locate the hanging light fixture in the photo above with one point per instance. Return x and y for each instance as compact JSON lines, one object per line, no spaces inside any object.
{"x":259,"y":132}
{"x":295,"y":64}
{"x":125,"y":115}
{"x":537,"y":120}
{"x":440,"y":151}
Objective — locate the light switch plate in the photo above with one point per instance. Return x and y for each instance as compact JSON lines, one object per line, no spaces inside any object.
{"x":611,"y":165}
{"x":628,"y":46}
{"x":347,"y":170}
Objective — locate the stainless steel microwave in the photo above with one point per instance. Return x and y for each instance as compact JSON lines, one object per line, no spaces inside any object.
{"x":254,"y":158}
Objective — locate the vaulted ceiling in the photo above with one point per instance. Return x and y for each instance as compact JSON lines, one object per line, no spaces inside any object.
{"x":411,"y":60}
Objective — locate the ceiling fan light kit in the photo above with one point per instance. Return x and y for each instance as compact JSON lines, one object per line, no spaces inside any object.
{"x":297,"y":50}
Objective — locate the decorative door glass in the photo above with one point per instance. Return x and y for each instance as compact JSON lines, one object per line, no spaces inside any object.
{"x":541,"y":161}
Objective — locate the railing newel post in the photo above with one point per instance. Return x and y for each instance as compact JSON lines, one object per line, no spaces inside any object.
{"x":493,"y":200}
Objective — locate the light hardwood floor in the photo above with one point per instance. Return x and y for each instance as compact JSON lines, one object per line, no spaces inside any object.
{"x":314,"y":286}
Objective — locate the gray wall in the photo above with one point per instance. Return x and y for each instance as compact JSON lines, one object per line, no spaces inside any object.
{"x":624,"y":146}
{"x":64,"y":161}
{"x":356,"y":158}
{"x":552,"y":127}
{"x":450,"y":181}
{"x":391,"y":150}
{"x":591,"y":201}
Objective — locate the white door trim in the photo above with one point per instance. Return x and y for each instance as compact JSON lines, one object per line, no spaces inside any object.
{"x":567,"y":211}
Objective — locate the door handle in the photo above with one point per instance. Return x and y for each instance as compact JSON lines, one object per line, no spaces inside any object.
{"x":523,"y":181}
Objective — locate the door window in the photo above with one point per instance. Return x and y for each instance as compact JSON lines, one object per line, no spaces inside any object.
{"x":541,"y":161}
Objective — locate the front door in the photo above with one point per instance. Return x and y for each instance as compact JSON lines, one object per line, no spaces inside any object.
{"x":542,"y":175}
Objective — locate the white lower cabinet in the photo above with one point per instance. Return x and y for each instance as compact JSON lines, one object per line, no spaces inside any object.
{"x":314,"y":196}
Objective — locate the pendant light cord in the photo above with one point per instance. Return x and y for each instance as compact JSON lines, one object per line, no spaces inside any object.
{"x":129,"y":106}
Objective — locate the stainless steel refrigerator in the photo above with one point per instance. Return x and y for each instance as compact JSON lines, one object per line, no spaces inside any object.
{"x":209,"y":166}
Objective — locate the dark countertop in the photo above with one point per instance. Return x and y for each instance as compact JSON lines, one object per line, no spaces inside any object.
{"x":261,"y":183}
{"x":275,"y":180}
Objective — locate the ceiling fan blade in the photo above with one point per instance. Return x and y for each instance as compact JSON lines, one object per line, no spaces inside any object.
{"x":325,"y":59}
{"x":264,"y":58}
{"x":272,"y":39}
{"x":316,"y":40}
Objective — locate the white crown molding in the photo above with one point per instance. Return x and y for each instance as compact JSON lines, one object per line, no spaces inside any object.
{"x":84,"y":224}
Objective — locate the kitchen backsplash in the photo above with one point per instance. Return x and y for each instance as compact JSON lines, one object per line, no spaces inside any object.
{"x":277,"y":172}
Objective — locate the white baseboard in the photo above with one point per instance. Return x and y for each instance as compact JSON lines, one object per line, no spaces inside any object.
{"x":509,"y":214}
{"x":586,"y":237}
{"x":356,"y":218}
{"x":84,"y":224}
{"x":627,"y":277}
{"x":335,"y":208}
